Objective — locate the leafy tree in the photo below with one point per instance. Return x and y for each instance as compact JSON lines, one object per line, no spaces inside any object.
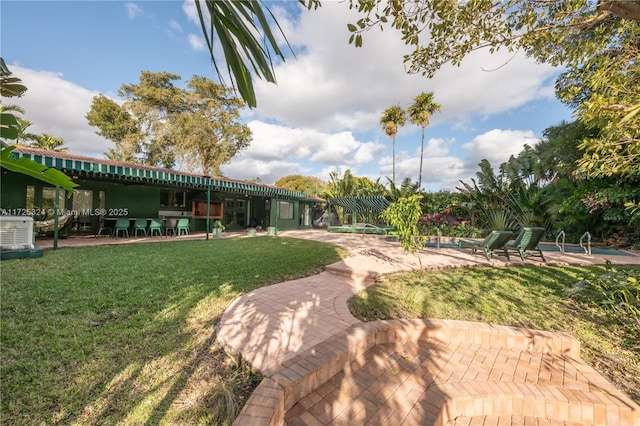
{"x":403,"y":214}
{"x":116,"y":124}
{"x":159,"y":122}
{"x":419,"y":113}
{"x":308,"y":184}
{"x":49,"y":143}
{"x":391,"y":119}
{"x":209,"y":132}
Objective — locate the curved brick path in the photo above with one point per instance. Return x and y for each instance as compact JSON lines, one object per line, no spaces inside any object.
{"x":323,"y":366}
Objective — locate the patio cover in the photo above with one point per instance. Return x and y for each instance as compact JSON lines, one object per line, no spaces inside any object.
{"x":373,"y":203}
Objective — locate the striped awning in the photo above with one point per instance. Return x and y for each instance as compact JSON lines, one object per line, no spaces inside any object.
{"x":98,"y":168}
{"x":373,"y":203}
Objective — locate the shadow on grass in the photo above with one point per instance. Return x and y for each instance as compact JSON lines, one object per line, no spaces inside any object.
{"x":125,"y":334}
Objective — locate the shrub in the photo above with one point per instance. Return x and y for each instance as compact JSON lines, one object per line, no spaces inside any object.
{"x":617,"y":290}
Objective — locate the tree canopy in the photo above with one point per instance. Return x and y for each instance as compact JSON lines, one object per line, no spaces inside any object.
{"x":159,"y":123}
{"x":596,"y":41}
{"x":308,"y":184}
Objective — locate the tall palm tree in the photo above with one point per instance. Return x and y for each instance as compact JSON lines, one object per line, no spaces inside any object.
{"x":50,"y":143}
{"x":393,"y":117}
{"x":419,"y":113}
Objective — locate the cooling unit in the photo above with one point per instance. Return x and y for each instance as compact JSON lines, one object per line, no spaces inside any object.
{"x":16,"y":233}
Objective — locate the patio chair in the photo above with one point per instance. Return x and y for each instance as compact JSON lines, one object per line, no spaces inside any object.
{"x":155,"y":225}
{"x":122,"y":224}
{"x":526,"y":243}
{"x":490,"y":246}
{"x":170,"y":227}
{"x":139,"y":225}
{"x":183,"y":226}
{"x":102,"y":226}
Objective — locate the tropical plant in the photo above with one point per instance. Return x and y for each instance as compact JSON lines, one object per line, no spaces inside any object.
{"x":308,"y":184}
{"x":9,"y":129}
{"x":617,"y":290}
{"x":237,"y":25}
{"x":392,"y":118}
{"x":406,"y":189}
{"x":49,"y":143}
{"x":419,"y":113}
{"x":404,"y":214}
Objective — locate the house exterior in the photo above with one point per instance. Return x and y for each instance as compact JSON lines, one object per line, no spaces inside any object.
{"x":108,"y":189}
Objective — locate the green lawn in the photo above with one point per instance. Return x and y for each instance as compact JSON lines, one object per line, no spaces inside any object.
{"x":517,"y":296}
{"x":126,"y":334}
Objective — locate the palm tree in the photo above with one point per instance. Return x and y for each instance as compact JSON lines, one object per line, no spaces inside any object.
{"x":21,"y":123}
{"x":50,"y":143}
{"x":419,"y":113}
{"x":393,"y":117}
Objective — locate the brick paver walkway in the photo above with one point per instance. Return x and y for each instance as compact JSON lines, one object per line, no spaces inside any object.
{"x":279,"y":330}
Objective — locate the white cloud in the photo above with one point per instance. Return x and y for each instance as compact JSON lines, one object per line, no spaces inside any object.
{"x":175,"y":26}
{"x":58,"y":107}
{"x":133,"y":10}
{"x":334,"y":86}
{"x":196,"y":42}
{"x":498,"y":145}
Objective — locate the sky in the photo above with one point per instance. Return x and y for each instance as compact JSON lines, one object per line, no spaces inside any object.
{"x":322,"y":116}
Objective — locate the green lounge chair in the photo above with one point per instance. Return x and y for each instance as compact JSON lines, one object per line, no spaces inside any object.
{"x":526,"y":243}
{"x":492,"y":243}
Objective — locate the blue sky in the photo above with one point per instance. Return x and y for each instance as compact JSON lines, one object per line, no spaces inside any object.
{"x":323,"y":114}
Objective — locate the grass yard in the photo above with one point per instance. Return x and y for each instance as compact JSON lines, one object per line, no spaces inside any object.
{"x":126,"y":334}
{"x":517,"y":296}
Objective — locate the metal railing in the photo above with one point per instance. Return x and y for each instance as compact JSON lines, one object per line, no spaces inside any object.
{"x":560,"y":245}
{"x":586,"y":236}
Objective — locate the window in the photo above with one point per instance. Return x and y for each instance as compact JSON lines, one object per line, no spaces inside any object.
{"x":285,"y":210}
{"x":173,"y":198}
{"x":49,"y":200}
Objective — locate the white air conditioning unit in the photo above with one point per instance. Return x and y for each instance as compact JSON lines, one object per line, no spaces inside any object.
{"x":16,"y":233}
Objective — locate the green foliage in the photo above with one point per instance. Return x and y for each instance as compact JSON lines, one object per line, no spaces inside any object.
{"x":350,"y":185}
{"x":36,"y":170}
{"x":308,"y":184}
{"x":10,"y":129}
{"x":498,"y":220}
{"x":49,"y":143}
{"x":406,"y":189}
{"x":617,"y":290}
{"x":595,"y":41}
{"x":392,"y":118}
{"x":419,"y":113}
{"x":446,"y":224}
{"x":125,"y":334}
{"x":403,"y":214}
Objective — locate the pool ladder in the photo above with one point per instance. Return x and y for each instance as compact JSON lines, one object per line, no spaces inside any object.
{"x":560,"y":241}
{"x":586,"y":236}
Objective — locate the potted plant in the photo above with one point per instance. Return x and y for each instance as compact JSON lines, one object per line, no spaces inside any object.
{"x":217,"y":228}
